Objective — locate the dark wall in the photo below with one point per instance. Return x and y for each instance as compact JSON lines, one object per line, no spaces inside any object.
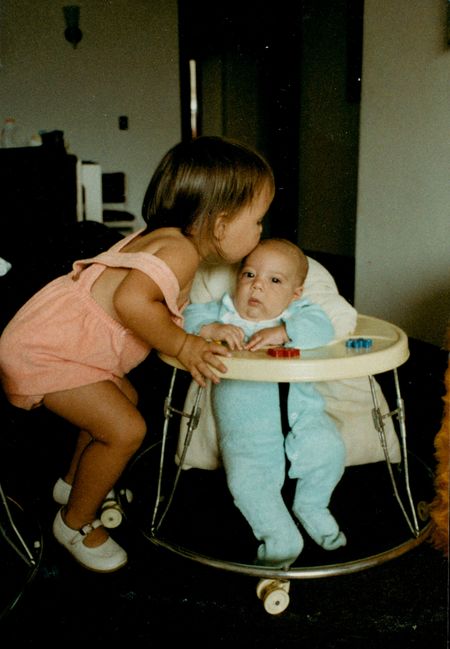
{"x":285,"y":78}
{"x":257,"y":49}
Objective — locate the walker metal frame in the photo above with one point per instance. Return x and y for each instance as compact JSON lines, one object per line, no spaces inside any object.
{"x":333,"y":362}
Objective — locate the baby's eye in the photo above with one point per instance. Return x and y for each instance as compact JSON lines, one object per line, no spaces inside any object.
{"x":276,"y":280}
{"x":248,"y":273}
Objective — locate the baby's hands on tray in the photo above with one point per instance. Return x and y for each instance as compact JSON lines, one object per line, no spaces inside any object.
{"x":269,"y":336}
{"x":230,"y":334}
{"x":200,"y":356}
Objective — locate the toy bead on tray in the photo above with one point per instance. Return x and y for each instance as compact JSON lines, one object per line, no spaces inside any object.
{"x":284,"y":352}
{"x":358,"y":343}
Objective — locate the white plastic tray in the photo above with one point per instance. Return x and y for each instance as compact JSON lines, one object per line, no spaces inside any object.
{"x":332,"y":362}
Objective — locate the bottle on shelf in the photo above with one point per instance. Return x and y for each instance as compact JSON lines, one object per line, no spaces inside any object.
{"x":9,"y":133}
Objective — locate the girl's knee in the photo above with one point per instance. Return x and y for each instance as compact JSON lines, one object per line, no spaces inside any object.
{"x":129,"y":435}
{"x":137,"y":433}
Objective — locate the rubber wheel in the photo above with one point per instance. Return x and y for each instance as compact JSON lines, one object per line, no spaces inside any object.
{"x":275,"y":595}
{"x":127,"y":495}
{"x":111,"y":516}
{"x":276,"y":601}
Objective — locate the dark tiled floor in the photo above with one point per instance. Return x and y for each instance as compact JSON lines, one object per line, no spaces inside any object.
{"x":161,"y":597}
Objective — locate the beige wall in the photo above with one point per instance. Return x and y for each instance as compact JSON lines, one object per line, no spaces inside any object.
{"x":403,"y":215}
{"x":126,"y":64}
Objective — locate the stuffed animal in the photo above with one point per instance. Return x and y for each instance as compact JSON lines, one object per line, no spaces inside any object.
{"x":439,"y":511}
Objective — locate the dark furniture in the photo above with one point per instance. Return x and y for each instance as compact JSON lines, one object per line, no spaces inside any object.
{"x":38,"y":188}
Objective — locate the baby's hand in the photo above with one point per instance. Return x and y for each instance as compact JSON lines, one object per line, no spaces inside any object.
{"x":198,"y":356}
{"x":230,"y":334}
{"x":270,"y":336}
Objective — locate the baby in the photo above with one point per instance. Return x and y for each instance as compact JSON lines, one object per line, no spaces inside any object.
{"x":267,"y":309}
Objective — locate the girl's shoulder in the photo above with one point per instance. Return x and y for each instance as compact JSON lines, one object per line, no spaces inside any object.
{"x":161,"y":241}
{"x":171,"y":247}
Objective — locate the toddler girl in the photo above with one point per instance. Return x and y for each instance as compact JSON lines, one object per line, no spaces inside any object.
{"x":72,"y":344}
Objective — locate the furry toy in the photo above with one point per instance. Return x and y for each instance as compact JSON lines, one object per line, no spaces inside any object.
{"x":439,"y":511}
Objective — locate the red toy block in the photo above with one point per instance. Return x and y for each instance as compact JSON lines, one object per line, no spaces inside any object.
{"x":284,"y":352}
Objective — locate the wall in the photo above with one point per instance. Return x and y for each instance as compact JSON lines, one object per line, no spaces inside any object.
{"x":125,"y":64}
{"x":403,"y":214}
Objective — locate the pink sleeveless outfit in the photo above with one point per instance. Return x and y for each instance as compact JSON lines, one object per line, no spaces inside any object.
{"x":61,"y":338}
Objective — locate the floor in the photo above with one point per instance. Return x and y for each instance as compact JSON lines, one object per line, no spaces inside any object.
{"x":163,"y":597}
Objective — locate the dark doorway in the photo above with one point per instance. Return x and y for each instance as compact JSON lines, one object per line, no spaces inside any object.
{"x":284,"y":79}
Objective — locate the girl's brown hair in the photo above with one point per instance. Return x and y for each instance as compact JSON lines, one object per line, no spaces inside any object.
{"x":199,"y":179}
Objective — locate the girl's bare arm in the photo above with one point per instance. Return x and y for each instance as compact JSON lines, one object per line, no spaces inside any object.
{"x":139,"y":303}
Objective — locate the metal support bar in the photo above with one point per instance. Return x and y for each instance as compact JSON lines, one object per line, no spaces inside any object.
{"x":378,"y":420}
{"x":193,"y":419}
{"x":26,"y":555}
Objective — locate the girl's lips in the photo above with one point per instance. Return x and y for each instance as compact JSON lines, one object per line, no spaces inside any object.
{"x":253,"y":302}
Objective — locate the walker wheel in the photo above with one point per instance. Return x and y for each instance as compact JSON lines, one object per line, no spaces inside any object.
{"x":127,"y":494}
{"x":274,"y":594}
{"x":111,"y":515}
{"x":423,"y":510}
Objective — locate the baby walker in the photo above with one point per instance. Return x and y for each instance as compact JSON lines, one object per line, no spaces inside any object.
{"x":376,"y":346}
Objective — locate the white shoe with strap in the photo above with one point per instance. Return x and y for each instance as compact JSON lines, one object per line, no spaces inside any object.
{"x":107,"y":557}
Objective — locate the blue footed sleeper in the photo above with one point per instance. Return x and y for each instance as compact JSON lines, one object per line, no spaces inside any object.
{"x":254,"y":449}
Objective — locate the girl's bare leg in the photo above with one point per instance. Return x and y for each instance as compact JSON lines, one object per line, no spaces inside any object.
{"x":117,"y":430}
{"x":84,"y":438}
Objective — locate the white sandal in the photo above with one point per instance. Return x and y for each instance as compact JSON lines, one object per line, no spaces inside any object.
{"x":107,"y":557}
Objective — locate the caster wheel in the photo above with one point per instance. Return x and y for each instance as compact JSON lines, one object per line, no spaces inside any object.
{"x":111,"y":515}
{"x":275,"y":595}
{"x":126,"y":495}
{"x":423,"y":510}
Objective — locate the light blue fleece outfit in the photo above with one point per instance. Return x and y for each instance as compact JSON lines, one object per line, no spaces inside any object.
{"x":253,"y":447}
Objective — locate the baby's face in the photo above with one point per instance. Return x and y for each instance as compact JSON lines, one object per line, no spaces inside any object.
{"x":266,"y":284}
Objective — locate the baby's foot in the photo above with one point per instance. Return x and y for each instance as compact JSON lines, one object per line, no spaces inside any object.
{"x":281,"y":550}
{"x":333,"y":542}
{"x":322,"y":528}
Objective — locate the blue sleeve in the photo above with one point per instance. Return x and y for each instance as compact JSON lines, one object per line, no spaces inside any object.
{"x":197,"y":315}
{"x":307,"y":325}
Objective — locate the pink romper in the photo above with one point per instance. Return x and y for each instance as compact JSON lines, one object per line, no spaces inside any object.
{"x":61,"y":338}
